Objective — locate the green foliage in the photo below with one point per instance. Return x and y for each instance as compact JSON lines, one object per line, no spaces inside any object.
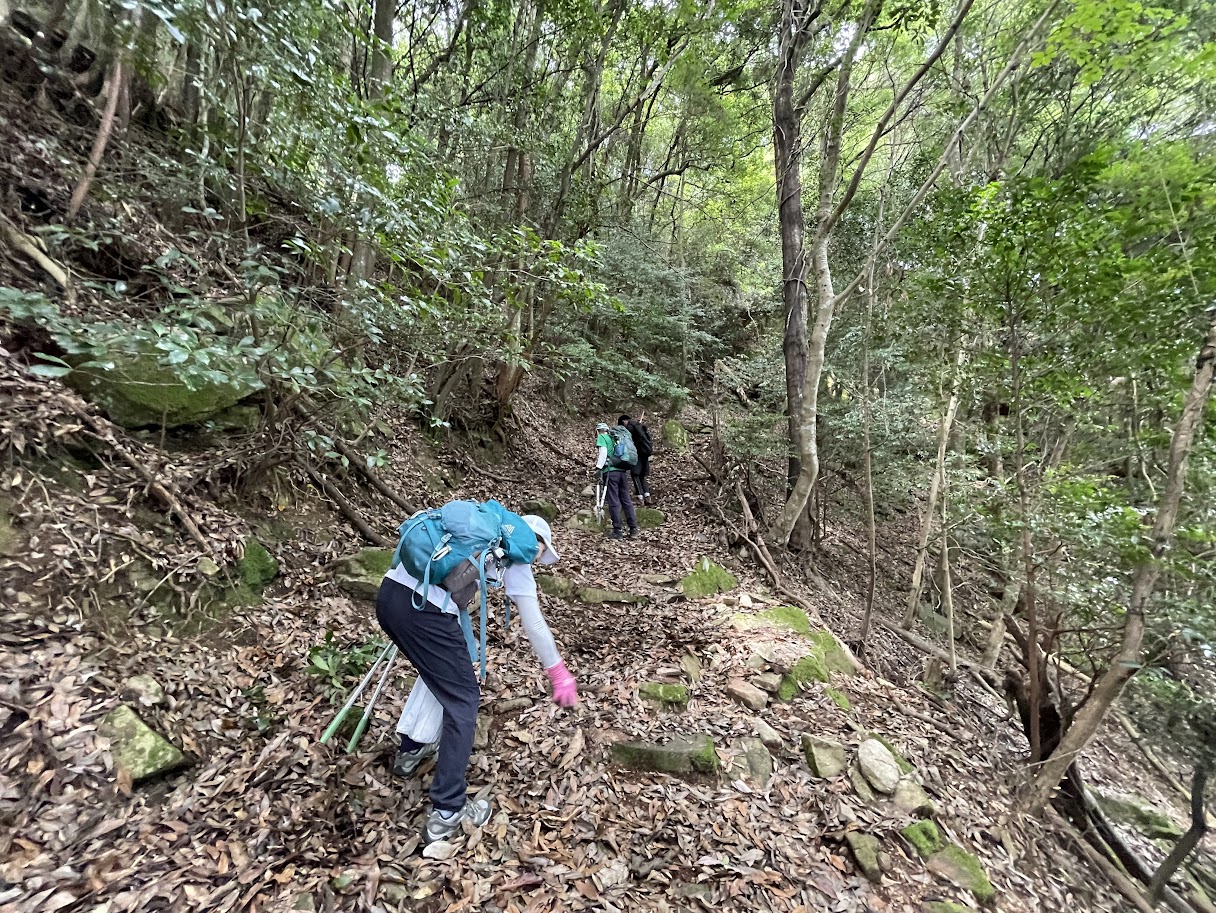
{"x":337,"y":667}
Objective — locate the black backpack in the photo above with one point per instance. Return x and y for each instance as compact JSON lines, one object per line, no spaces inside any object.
{"x":641,"y":439}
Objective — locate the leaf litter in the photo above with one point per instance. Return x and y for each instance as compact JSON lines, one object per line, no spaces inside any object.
{"x":267,"y":819}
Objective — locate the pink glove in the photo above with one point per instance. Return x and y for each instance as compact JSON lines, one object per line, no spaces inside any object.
{"x":565,"y":689}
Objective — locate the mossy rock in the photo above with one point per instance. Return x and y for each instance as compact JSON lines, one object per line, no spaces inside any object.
{"x":943,"y":906}
{"x":584,"y":521}
{"x":924,"y":837}
{"x":675,"y":436}
{"x":707,"y":579}
{"x":963,"y":870}
{"x":649,"y":518}
{"x":1141,"y":815}
{"x":664,"y":693}
{"x":808,"y":669}
{"x":238,"y":419}
{"x":865,"y":849}
{"x":553,"y":585}
{"x":540,"y":507}
{"x":595,"y":596}
{"x":359,"y":576}
{"x":257,"y":567}
{"x":10,"y":539}
{"x":833,"y":653}
{"x":840,"y":699}
{"x":684,"y":754}
{"x":138,"y":751}
{"x":905,"y":766}
{"x":139,"y":391}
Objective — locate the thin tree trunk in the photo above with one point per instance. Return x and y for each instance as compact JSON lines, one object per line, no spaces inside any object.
{"x":117,"y":80}
{"x":935,"y":485}
{"x":363,"y":256}
{"x":947,"y":586}
{"x":1187,"y":843}
{"x":1109,"y":685}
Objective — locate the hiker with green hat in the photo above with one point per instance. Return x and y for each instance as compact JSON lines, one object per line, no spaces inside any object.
{"x":615,"y":458}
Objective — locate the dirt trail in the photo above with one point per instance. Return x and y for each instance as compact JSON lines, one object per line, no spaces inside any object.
{"x":267,"y":819}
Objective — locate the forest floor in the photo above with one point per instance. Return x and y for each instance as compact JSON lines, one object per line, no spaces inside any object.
{"x":266,"y":818}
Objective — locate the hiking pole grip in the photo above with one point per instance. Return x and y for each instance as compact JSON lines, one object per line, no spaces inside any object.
{"x":371,"y":705}
{"x":333,"y":727}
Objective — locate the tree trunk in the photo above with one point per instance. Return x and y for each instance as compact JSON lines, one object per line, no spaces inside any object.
{"x":807,"y":414}
{"x":935,"y":486}
{"x":117,"y":81}
{"x":1109,"y":685}
{"x":363,"y":252}
{"x":1187,"y":843}
{"x":947,"y":587}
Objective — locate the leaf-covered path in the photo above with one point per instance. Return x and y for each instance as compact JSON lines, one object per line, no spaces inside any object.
{"x":267,"y":819}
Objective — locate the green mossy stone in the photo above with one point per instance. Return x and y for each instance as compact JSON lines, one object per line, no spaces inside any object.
{"x":595,"y":596}
{"x":1138,"y":813}
{"x":665,"y":693}
{"x":963,"y":870}
{"x":675,"y":436}
{"x":649,"y":518}
{"x":833,"y":654}
{"x":808,"y":669}
{"x":825,"y":757}
{"x":10,"y":539}
{"x":682,"y":755}
{"x":139,"y":391}
{"x":943,"y":906}
{"x":839,"y":698}
{"x":905,"y":765}
{"x":137,"y":750}
{"x":865,"y":850}
{"x":359,"y":576}
{"x":541,"y":507}
{"x":257,"y":566}
{"x":924,"y":837}
{"x":707,"y":579}
{"x":584,"y":521}
{"x":553,"y":585}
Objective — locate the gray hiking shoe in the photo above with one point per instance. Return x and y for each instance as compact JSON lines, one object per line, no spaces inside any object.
{"x":440,"y":827}
{"x":409,"y":761}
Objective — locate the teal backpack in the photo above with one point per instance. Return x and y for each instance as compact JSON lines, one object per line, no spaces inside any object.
{"x":453,"y":546}
{"x":624,"y":453}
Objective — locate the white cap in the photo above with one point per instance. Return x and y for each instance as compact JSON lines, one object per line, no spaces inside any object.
{"x":602,"y":426}
{"x":541,"y":527}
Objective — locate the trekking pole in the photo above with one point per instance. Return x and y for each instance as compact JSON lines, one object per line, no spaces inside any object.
{"x":601,"y":492}
{"x":371,"y":705}
{"x":332,"y":728}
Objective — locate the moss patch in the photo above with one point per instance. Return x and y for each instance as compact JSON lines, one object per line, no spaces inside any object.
{"x":257,"y":566}
{"x":1136,"y":812}
{"x":675,"y":436}
{"x":839,"y":698}
{"x":707,"y":579}
{"x":943,"y":906}
{"x":541,"y":507}
{"x":594,"y":596}
{"x":865,"y":851}
{"x":806,"y":670}
{"x":359,"y":575}
{"x":649,"y":518}
{"x":834,"y":656}
{"x":665,"y":693}
{"x":924,"y":837}
{"x":962,"y":869}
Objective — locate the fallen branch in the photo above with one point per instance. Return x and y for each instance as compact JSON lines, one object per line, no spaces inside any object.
{"x":155,"y":486}
{"x":1118,"y":880}
{"x":25,"y":244}
{"x":117,"y":82}
{"x":309,"y":410}
{"x":344,"y":506}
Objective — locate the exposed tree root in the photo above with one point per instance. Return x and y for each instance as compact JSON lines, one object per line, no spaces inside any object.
{"x":344,"y":506}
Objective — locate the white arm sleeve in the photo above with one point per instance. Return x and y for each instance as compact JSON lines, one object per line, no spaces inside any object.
{"x":601,"y":457}
{"x":520,"y":585}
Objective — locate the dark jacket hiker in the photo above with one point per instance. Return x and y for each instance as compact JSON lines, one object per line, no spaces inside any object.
{"x":641,"y":440}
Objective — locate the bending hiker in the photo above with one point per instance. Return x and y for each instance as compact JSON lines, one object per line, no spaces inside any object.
{"x":641,"y":442}
{"x":427,"y":621}
{"x":613,"y":463}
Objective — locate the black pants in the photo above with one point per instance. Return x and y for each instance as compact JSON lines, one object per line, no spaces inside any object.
{"x":640,"y":472}
{"x":617,"y":497}
{"x":435,"y":645}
